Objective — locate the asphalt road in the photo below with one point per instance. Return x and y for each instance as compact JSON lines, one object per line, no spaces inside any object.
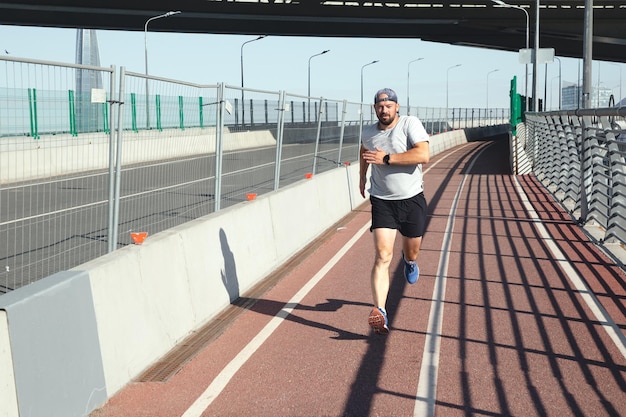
{"x":56,"y":224}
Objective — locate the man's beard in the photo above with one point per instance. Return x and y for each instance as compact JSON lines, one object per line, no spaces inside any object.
{"x":388,"y":122}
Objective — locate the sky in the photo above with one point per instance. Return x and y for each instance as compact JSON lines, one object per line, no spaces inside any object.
{"x":278,"y":63}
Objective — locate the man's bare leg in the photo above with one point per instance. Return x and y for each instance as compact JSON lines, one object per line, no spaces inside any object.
{"x":411,"y":247}
{"x":380,"y":280}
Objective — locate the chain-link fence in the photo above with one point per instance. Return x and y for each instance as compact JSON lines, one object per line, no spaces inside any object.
{"x":92,"y":159}
{"x":53,"y":164}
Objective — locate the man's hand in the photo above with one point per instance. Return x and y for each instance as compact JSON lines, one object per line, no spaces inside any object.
{"x":362,"y":186}
{"x":374,"y":157}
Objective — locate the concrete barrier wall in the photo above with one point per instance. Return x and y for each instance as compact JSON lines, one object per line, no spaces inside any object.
{"x":27,"y":159}
{"x":92,"y":330}
{"x":8,"y":392}
{"x":145,"y":299}
{"x":148,"y":298}
{"x":55,"y":348}
{"x":447,"y":140}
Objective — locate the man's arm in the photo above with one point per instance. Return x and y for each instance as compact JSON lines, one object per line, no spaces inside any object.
{"x":419,"y":154}
{"x":363,"y":166}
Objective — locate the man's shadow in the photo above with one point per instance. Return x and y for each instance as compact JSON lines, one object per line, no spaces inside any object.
{"x":229,"y":272}
{"x":273,"y":308}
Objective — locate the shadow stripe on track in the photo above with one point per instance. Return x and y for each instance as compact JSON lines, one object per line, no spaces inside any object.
{"x":603,"y":317}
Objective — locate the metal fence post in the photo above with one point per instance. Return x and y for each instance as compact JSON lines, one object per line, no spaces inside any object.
{"x":617,"y":202}
{"x":584,"y":155}
{"x":343,"y":128}
{"x":113,"y":103}
{"x":358,"y":148}
{"x":279,"y":138}
{"x":317,"y":137}
{"x":219,"y":145}
{"x":118,"y":159}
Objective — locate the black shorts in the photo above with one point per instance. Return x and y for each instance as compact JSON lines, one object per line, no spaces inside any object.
{"x":408,"y":216}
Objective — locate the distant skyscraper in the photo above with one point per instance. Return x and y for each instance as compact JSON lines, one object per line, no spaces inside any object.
{"x":572,"y":97}
{"x":89,"y":115}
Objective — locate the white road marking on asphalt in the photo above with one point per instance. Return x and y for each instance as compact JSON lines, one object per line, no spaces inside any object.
{"x":224,"y":377}
{"x":427,"y":383}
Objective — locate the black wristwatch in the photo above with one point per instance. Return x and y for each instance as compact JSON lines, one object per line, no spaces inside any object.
{"x":386,"y":159}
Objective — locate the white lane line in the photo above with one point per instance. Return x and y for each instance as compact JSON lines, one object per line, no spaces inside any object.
{"x":224,"y":377}
{"x":427,"y":384}
{"x":52,"y":213}
{"x":586,"y":294}
{"x":429,"y":370}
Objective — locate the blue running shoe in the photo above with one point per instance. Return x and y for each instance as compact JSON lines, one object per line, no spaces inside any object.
{"x":378,"y":321}
{"x":411,"y":270}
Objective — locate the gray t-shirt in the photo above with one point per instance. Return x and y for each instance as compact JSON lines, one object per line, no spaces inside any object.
{"x":395,"y":182}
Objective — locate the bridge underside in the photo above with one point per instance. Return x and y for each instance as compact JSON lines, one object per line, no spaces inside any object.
{"x":475,"y":23}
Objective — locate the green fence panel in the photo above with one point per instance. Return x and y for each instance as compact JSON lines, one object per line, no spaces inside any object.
{"x":32,"y":109}
{"x":158,"y":112}
{"x":105,"y":117}
{"x":133,"y":106}
{"x":181,"y":113}
{"x":201,"y":112}
{"x":516,"y":106}
{"x":72,"y":115}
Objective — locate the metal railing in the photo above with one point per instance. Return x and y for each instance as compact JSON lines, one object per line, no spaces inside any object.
{"x":579,"y":155}
{"x":82,"y":171}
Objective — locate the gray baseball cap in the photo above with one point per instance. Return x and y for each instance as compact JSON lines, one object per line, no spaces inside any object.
{"x":391,"y":95}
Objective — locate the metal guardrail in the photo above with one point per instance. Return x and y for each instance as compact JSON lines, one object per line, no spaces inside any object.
{"x":79,"y":176}
{"x":580,"y":156}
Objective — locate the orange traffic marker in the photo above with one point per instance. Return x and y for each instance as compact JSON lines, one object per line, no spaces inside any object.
{"x":139,"y":237}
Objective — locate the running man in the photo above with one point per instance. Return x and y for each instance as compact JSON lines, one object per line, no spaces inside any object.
{"x":395,"y":147}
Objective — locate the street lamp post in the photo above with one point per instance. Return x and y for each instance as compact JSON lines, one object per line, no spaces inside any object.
{"x":145,"y":38}
{"x":587,"y":56}
{"x":620,"y":85}
{"x":309,"y":84}
{"x":361,"y":105}
{"x":598,"y":104}
{"x":535,"y":63}
{"x":511,"y":6}
{"x":560,"y":81}
{"x":447,"y":90}
{"x":408,"y":85}
{"x":371,"y":63}
{"x":243,"y":111}
{"x":488,"y":85}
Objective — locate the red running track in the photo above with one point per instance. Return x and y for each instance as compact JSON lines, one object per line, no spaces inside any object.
{"x":515,"y":313}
